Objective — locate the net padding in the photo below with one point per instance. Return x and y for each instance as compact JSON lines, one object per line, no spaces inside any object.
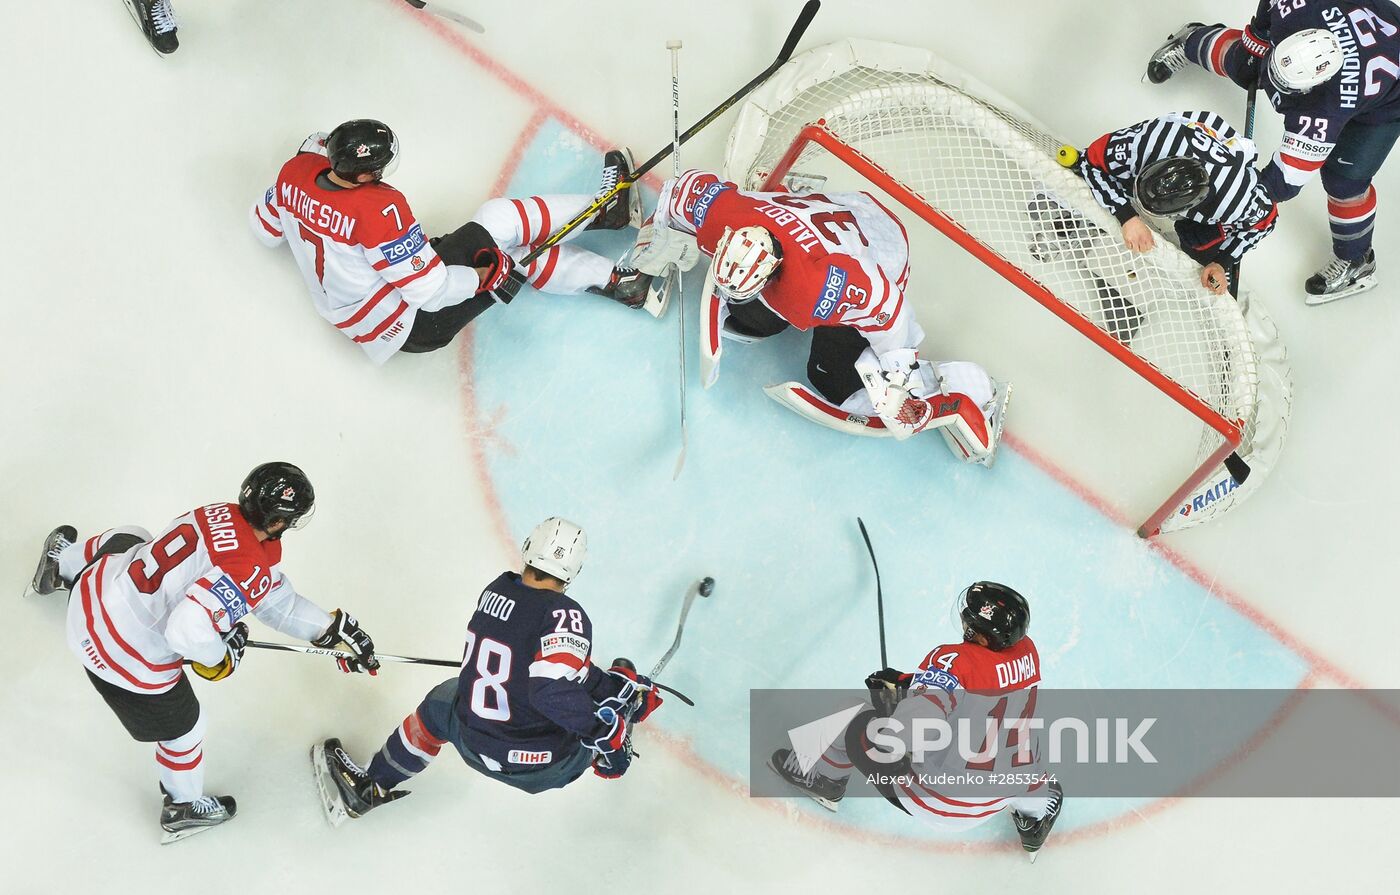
{"x":991,"y":169}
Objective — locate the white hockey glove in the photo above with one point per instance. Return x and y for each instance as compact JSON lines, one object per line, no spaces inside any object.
{"x":315,"y":143}
{"x":658,"y":248}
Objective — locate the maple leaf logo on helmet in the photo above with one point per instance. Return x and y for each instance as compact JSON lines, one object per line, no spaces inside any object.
{"x":289,"y":493}
{"x":987,"y":611}
{"x":362,"y":151}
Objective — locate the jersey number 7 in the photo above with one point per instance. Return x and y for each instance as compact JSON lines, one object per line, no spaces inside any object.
{"x":319,"y":246}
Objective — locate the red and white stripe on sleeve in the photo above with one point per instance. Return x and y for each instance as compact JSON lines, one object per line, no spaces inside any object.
{"x":561,"y":656}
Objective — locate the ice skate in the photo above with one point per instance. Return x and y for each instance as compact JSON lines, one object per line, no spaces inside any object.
{"x":1170,"y":57}
{"x":1341,"y":278}
{"x":346,"y":790}
{"x":46,"y":577}
{"x":157,"y":21}
{"x":624,"y":209}
{"x":1034,"y":831}
{"x":1001,"y":398}
{"x":627,"y":286}
{"x":825,"y":791}
{"x":659,"y":292}
{"x":180,"y":820}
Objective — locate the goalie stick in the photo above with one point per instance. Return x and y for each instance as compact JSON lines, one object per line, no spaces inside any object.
{"x":511,"y":286}
{"x":407,"y":660}
{"x":433,"y":9}
{"x":675,"y":47}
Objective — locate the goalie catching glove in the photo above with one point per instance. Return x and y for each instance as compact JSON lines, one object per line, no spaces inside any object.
{"x":345,"y":633}
{"x":235,"y":642}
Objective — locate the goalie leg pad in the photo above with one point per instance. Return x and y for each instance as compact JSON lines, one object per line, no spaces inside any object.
{"x":809,"y":405}
{"x":963,"y":427}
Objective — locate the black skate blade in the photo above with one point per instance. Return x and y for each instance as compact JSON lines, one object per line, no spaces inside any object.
{"x":331,"y":802}
{"x":824,"y":802}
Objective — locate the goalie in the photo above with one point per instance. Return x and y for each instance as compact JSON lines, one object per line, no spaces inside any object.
{"x":836,"y":265}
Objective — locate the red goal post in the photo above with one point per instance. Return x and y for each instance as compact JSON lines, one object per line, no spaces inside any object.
{"x":983,"y":174}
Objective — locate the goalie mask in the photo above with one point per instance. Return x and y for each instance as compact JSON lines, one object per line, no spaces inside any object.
{"x":1304,"y":60}
{"x":744,"y":262}
{"x":996,"y":612}
{"x":1170,"y":187}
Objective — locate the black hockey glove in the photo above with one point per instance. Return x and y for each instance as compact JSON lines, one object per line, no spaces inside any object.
{"x":499,"y":266}
{"x":346,"y":633}
{"x":510,"y":286}
{"x":887,"y":687}
{"x":235,"y":642}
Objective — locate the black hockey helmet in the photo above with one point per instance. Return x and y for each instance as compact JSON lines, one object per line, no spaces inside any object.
{"x":276,"y":492}
{"x":1172,"y":186}
{"x":996,"y":612}
{"x":362,"y":146}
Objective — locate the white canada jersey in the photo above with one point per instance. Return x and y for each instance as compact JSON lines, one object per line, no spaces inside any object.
{"x":132,"y":617}
{"x":364,"y":257}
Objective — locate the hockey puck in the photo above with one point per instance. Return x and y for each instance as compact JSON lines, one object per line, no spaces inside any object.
{"x":707,"y":586}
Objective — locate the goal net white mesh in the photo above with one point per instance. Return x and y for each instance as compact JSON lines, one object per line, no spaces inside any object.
{"x":985,"y":173}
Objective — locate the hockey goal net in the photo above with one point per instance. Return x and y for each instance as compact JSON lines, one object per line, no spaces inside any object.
{"x":984,"y":174}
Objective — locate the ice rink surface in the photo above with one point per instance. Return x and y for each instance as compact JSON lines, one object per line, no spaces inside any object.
{"x":158,"y":353}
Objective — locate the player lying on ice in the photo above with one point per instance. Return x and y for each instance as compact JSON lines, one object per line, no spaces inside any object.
{"x":955,"y":682}
{"x":140,"y":606}
{"x":1191,"y":167}
{"x":375,"y":276}
{"x":837,"y":265}
{"x":1329,"y":68}
{"x":529,"y":708}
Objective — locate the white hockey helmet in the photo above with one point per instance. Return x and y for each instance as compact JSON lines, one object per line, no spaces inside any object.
{"x":744,"y":261}
{"x":556,"y":547}
{"x":1304,"y":60}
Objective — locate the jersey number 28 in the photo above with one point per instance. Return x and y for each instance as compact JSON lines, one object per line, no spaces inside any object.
{"x":489,"y":699}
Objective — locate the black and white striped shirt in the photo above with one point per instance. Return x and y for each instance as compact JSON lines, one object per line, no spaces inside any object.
{"x":1237,"y":203}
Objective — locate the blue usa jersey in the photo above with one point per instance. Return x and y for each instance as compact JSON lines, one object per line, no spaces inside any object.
{"x":1366,"y":91}
{"x":526,"y":693}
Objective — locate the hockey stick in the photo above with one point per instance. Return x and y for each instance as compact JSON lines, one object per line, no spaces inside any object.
{"x":511,"y":286}
{"x":407,"y":660}
{"x":1233,"y":275}
{"x":675,"y":46}
{"x":879,"y":593}
{"x":433,"y":9}
{"x":704,"y":589}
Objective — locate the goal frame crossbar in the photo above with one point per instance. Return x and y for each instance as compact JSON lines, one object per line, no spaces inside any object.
{"x":1229,"y":431}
